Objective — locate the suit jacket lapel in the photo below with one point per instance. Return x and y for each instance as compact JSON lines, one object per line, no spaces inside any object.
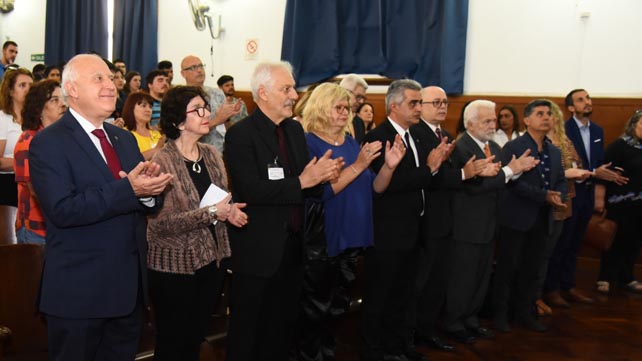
{"x":575,"y":135}
{"x":88,"y":147}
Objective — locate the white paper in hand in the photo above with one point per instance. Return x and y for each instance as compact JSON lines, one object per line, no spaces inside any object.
{"x":213,"y":195}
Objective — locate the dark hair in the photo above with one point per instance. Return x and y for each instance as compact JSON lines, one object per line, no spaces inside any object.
{"x":174,"y":106}
{"x":128,"y":108}
{"x":38,"y":71}
{"x":371,"y":124}
{"x":35,"y":101}
{"x":8,"y":82}
{"x":224,"y":79}
{"x":461,"y":126}
{"x":530,"y":107}
{"x":118,"y":60}
{"x":49,"y":68}
{"x":631,"y":124}
{"x":128,"y":77}
{"x":8,"y":43}
{"x":164,"y":64}
{"x":568,"y":101}
{"x":512,"y":110}
{"x":152,"y":75}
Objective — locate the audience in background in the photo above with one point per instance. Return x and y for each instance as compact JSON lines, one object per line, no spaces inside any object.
{"x":226,"y":84}
{"x":38,"y":72}
{"x":120,"y":64}
{"x":13,"y":91}
{"x":157,"y":86}
{"x":132,"y":82}
{"x":168,"y":68}
{"x":366,"y":113}
{"x":53,"y":72}
{"x":137,"y":115}
{"x":9,"y":54}
{"x":43,"y":106}
{"x":507,"y":125}
{"x":357,"y":87}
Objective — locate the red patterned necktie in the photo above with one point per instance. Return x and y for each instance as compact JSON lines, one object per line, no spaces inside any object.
{"x":110,"y":154}
{"x":438,"y":132}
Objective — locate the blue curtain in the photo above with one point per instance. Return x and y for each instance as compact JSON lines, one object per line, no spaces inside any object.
{"x":136,"y":34}
{"x":423,"y":40}
{"x":75,"y":27}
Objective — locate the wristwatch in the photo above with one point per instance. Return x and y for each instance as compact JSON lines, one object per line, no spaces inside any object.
{"x":212,"y":211}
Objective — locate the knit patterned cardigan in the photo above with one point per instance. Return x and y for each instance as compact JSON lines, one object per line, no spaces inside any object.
{"x":178,"y":237}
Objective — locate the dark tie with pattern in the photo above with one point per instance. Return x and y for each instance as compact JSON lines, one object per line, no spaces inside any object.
{"x":438,"y":132}
{"x":110,"y":154}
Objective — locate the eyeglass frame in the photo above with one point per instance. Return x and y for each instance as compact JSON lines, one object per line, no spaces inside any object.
{"x":195,"y":67}
{"x":199,"y":110}
{"x":437,"y":102}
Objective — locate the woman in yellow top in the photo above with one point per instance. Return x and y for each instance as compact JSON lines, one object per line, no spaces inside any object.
{"x":137,"y":113}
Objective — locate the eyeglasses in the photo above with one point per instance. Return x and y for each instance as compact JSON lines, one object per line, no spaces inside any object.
{"x":437,"y":103}
{"x":360,"y":98}
{"x":342,"y":109}
{"x":200,"y":111}
{"x":195,"y":67}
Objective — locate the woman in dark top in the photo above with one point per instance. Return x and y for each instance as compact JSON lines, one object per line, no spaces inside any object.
{"x":187,"y":240}
{"x":624,"y":205}
{"x":345,"y":226}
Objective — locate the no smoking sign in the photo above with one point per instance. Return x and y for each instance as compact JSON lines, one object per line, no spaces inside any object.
{"x":251,"y":49}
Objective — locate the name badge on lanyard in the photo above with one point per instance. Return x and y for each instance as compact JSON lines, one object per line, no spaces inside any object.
{"x":275,"y":171}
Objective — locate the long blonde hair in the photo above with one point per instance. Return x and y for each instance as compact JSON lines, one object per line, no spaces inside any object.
{"x":560,"y":131}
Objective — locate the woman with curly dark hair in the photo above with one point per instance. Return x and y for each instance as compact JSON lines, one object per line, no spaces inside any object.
{"x":137,"y":114}
{"x":43,"y":106}
{"x":13,"y":90}
{"x":187,"y":239}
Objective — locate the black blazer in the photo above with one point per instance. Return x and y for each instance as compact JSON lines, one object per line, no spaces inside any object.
{"x":95,"y":257}
{"x":475,"y":206}
{"x":359,"y":128}
{"x":526,"y":195}
{"x":397,"y":211}
{"x":438,"y":218}
{"x":250,"y":146}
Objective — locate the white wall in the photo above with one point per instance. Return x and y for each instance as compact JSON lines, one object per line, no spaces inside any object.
{"x":26,"y":26}
{"x":544,"y":47}
{"x":242,"y":20}
{"x":515,"y":47}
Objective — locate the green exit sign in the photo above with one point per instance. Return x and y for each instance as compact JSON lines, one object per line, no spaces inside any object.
{"x":37,"y":57}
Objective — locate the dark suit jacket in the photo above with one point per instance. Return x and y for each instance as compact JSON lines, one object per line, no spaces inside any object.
{"x":96,"y":247}
{"x":359,"y":129}
{"x":526,"y":195}
{"x":250,"y":146}
{"x":476,"y":205}
{"x":397,"y":211}
{"x":584,"y":190}
{"x":438,"y":218}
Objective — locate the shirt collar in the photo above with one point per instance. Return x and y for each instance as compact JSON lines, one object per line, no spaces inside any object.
{"x":580,"y":124}
{"x":398,"y":127}
{"x":86,"y":125}
{"x":479,"y":142}
{"x":433,"y":127}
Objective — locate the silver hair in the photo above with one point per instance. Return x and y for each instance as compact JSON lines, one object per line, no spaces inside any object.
{"x":351,"y":81}
{"x":262,"y":76}
{"x":70,"y":73}
{"x":472,"y":110}
{"x":395,"y":94}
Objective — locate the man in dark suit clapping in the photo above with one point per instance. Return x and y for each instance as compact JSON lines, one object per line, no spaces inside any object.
{"x":270,"y":170}
{"x":95,"y":190}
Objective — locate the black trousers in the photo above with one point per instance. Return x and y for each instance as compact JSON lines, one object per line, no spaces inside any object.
{"x":263,"y":310}
{"x":430,"y":286}
{"x":618,"y":262}
{"x":97,"y":339}
{"x":325,"y":297}
{"x":470,"y":270}
{"x":389,"y":283}
{"x":183,"y":309}
{"x":519,"y":263}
